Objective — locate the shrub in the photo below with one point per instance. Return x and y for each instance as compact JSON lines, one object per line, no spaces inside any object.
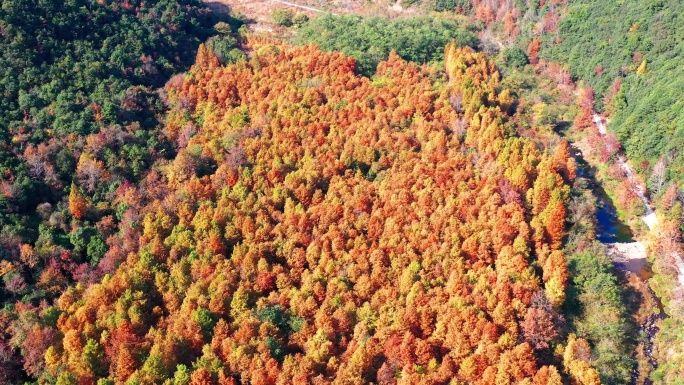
{"x":282,"y":17}
{"x":514,"y":57}
{"x":300,"y":19}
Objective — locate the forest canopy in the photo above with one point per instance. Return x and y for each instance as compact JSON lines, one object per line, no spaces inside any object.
{"x":80,"y":115}
{"x":184,"y":204}
{"x":306,"y":230}
{"x":420,"y":39}
{"x":634,"y":64}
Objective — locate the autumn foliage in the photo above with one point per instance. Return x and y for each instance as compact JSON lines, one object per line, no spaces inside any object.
{"x":321,"y":227}
{"x":78,"y":205}
{"x":533,"y":50}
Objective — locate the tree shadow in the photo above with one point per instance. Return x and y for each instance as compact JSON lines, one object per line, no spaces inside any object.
{"x":224,"y":12}
{"x":562,"y":127}
{"x":218,"y":6}
{"x":610,"y":229}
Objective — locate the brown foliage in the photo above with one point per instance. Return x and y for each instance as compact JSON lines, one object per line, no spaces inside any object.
{"x":533,"y":50}
{"x":78,"y":206}
{"x":320,"y":227}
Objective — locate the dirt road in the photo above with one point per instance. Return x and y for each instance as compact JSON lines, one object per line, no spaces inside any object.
{"x":299,"y":6}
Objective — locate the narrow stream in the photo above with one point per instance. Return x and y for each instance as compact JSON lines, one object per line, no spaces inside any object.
{"x":612,"y":230}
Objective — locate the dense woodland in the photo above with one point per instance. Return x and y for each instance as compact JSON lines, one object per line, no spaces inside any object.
{"x":634,"y":64}
{"x":630,"y":67}
{"x":80,"y":116}
{"x":80,"y":105}
{"x":418,"y":39}
{"x":372,"y":201}
{"x":307,"y":231}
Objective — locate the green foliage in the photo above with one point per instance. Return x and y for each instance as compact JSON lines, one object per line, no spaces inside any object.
{"x":669,"y":370}
{"x":369,"y":40}
{"x":449,"y":5}
{"x":182,"y":375}
{"x":50,"y":316}
{"x":282,"y":17}
{"x":300,"y":19}
{"x":514,"y":57}
{"x":86,"y":243}
{"x":223,"y":28}
{"x":66,"y":379}
{"x":205,"y":319}
{"x":96,"y":249}
{"x":619,"y":37}
{"x":273,"y":314}
{"x":92,"y":357}
{"x":596,"y":309}
{"x":280,"y":318}
{"x":296,"y":323}
{"x":88,"y":54}
{"x":224,"y":49}
{"x":275,"y":348}
{"x":154,"y":368}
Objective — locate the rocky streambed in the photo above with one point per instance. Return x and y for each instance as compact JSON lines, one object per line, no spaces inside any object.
{"x":633,"y":267}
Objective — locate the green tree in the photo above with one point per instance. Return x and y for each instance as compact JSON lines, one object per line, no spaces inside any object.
{"x":282,"y":17}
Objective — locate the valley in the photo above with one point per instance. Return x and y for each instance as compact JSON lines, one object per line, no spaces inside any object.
{"x":330,"y":192}
{"x":631,"y":258}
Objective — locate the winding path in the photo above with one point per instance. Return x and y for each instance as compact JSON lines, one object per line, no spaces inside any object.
{"x":299,"y":6}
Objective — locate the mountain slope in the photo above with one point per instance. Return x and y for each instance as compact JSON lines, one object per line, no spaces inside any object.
{"x":316,"y":224}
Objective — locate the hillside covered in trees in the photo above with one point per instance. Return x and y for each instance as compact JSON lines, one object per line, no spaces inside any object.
{"x":631,"y":68}
{"x":317,"y":225}
{"x":634,"y":63}
{"x":367,"y":200}
{"x":370,"y":40}
{"x":80,"y":115}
